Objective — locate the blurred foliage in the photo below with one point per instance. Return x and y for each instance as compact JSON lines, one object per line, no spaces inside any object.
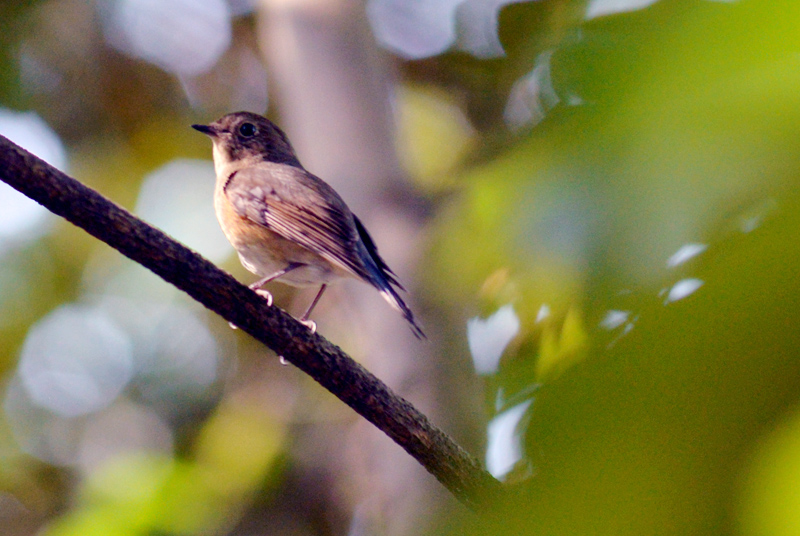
{"x":678,"y":124}
{"x":661,"y":127}
{"x":146,"y":493}
{"x":433,"y":136}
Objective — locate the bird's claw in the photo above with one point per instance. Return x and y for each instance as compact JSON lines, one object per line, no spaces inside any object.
{"x":267,"y":295}
{"x":310,"y":324}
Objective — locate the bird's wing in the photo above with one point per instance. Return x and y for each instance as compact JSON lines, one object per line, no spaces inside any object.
{"x":302,"y":208}
{"x":299,"y":207}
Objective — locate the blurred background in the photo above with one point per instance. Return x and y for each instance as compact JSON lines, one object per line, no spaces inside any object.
{"x":594,"y":206}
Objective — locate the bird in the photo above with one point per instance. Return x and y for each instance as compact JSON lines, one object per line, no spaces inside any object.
{"x":285,"y":223}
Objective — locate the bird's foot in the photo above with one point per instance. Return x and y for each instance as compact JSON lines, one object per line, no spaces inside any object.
{"x":267,"y":295}
{"x":311,"y":325}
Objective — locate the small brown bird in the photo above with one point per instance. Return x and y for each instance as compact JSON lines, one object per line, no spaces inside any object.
{"x":285,"y":223}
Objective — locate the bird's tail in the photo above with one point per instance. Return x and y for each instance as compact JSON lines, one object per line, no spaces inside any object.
{"x":385,"y":280}
{"x":394,"y":299}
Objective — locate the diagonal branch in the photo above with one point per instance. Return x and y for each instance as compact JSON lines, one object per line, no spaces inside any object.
{"x":220,"y":292}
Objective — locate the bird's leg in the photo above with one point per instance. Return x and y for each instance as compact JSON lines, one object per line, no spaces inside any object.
{"x":263,"y":281}
{"x":310,"y":324}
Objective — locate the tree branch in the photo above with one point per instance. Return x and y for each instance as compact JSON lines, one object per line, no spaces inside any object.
{"x":324,"y":362}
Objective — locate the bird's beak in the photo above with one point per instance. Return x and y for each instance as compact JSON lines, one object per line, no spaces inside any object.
{"x":207,"y":130}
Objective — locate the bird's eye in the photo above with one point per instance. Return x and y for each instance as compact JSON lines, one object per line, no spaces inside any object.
{"x":248,"y":130}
